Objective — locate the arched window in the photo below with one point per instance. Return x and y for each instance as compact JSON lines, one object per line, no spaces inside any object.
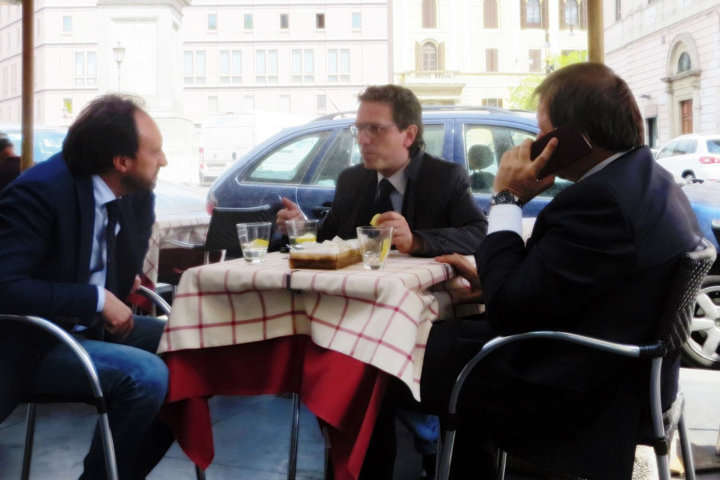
{"x":429,"y":14}
{"x":430,"y":57}
{"x":684,"y":63}
{"x":532,"y":12}
{"x":571,"y":13}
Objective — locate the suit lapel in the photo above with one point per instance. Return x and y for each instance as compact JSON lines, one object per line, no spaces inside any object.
{"x":86,"y":208}
{"x":413,"y":177}
{"x":366,"y":197}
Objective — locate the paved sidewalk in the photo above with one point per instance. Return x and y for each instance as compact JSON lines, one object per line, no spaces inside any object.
{"x":252,"y":434}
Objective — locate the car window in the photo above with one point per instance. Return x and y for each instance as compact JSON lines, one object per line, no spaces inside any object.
{"x":484,"y":147}
{"x":667,"y":151}
{"x":287,"y":163}
{"x":713,"y":145}
{"x":344,"y":153}
{"x":686,"y":146}
{"x":48,"y":144}
{"x":434,"y":136}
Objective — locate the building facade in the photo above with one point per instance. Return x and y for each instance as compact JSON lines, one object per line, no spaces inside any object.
{"x":669,"y":53}
{"x":474,"y":52}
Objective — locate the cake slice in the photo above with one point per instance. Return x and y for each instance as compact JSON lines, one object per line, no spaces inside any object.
{"x":328,"y":255}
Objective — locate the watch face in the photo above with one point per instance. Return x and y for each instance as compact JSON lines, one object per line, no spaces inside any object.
{"x":504,"y":197}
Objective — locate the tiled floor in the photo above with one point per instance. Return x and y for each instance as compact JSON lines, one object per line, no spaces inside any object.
{"x":252,"y":433}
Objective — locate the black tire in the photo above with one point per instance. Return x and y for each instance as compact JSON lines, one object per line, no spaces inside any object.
{"x":702,"y":348}
{"x":688,"y":176}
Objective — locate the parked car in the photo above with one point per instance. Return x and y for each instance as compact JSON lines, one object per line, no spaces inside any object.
{"x":690,"y":157}
{"x":303,"y":163}
{"x":47,"y":141}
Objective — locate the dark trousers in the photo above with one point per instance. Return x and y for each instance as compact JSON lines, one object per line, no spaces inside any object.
{"x":134,"y":382}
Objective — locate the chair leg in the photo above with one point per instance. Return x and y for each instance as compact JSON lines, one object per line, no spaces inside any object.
{"x":199,"y":473}
{"x":108,"y":446}
{"x":294,"y":430}
{"x":29,"y":436}
{"x":663,"y":466}
{"x":686,"y":449}
{"x":501,"y":464}
{"x":444,"y":466}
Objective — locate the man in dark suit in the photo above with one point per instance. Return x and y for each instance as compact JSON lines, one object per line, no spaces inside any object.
{"x":599,"y":262}
{"x":426,"y":200}
{"x":9,"y":162}
{"x":73,"y":234}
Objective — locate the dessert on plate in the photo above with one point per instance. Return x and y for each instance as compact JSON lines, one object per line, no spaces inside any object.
{"x":329,"y":255}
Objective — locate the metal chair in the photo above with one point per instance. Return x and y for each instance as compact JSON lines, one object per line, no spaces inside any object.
{"x":98,"y":399}
{"x":672,"y":333}
{"x":222,"y":232}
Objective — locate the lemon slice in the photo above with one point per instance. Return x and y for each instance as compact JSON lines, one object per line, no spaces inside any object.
{"x":385,"y":249}
{"x":308,"y":237}
{"x":374,"y":220}
{"x":259,"y":243}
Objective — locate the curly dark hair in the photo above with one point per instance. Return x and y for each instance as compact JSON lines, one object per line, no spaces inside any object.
{"x":406,"y":108}
{"x":103,"y":130}
{"x":596,"y":101}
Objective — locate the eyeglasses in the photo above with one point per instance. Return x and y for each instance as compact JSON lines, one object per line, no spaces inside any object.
{"x":372,"y":129}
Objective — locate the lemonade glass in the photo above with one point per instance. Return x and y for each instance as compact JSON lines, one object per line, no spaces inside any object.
{"x":301,"y":230}
{"x":254,"y":240}
{"x":375,"y":245}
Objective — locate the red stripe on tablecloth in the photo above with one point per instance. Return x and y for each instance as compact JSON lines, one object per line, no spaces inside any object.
{"x":200,"y":315}
{"x":233,"y":318}
{"x":261,"y":297}
{"x":367,"y":322}
{"x":387,"y":325}
{"x":379,"y":341}
{"x":344,"y":311}
{"x":237,"y":322}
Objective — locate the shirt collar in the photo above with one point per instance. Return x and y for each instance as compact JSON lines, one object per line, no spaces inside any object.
{"x":603,"y":164}
{"x":101,"y":192}
{"x":398,"y":179}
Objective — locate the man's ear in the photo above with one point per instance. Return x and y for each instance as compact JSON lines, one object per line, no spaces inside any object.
{"x":122,"y":163}
{"x":410,"y":133}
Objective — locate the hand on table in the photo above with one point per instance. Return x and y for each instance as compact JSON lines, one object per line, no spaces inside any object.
{"x":290,"y":211}
{"x":402,"y":237}
{"x":467,"y":270}
{"x":518,"y":173}
{"x":118,"y":316}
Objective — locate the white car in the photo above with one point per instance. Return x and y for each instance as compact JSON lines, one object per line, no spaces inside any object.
{"x":690,"y":157}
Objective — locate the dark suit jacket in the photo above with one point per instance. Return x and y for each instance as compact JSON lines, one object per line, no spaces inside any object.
{"x":9,"y":170}
{"x":598,"y":263}
{"x":437,"y":205}
{"x":46,"y":224}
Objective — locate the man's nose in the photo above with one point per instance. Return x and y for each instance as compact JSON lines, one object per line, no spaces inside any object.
{"x":363,"y":137}
{"x":163,"y":160}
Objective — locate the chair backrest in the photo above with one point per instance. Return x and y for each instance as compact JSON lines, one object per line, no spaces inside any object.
{"x":222,"y":231}
{"x":678,"y":312}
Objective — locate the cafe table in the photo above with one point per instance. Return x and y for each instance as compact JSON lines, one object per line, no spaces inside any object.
{"x":333,"y":336}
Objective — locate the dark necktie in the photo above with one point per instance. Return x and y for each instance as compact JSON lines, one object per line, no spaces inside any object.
{"x":110,"y":237}
{"x":382,"y":202}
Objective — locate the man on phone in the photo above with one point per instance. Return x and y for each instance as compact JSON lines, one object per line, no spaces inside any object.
{"x":399,"y":180}
{"x":599,"y":262}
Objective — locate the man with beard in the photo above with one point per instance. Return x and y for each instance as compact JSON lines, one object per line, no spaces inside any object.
{"x":399,"y":180}
{"x":73,"y":234}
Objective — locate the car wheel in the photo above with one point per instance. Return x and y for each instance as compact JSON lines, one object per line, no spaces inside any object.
{"x":703,"y":346}
{"x":688,"y":176}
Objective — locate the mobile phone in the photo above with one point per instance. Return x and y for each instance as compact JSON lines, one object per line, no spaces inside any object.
{"x":572,"y":146}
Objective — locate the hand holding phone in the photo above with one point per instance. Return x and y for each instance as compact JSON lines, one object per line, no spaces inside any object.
{"x":572,"y":146}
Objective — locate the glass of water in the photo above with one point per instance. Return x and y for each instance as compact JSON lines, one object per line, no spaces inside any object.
{"x":254,"y":240}
{"x":301,"y":231}
{"x":375,"y":245}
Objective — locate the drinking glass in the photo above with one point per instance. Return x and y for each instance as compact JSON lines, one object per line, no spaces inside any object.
{"x":301,"y":231}
{"x":374,"y":244}
{"x":254,"y":240}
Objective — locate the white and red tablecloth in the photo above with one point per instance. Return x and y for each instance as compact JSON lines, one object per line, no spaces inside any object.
{"x":187,"y":228}
{"x":247,"y":329}
{"x":381,"y":317}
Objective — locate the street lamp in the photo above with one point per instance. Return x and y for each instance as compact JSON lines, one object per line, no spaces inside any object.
{"x":119,"y":54}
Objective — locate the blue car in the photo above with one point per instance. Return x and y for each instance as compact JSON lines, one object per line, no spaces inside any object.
{"x":303,"y":164}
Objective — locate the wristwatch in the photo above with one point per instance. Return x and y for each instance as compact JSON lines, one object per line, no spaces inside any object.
{"x":505,"y":197}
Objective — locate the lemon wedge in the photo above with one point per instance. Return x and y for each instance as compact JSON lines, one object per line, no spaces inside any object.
{"x":259,"y":243}
{"x":374,"y":219}
{"x":385,"y":249}
{"x":308,"y":237}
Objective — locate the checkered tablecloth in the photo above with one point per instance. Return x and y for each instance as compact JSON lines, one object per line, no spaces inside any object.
{"x":382,"y":317}
{"x":186,"y":228}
